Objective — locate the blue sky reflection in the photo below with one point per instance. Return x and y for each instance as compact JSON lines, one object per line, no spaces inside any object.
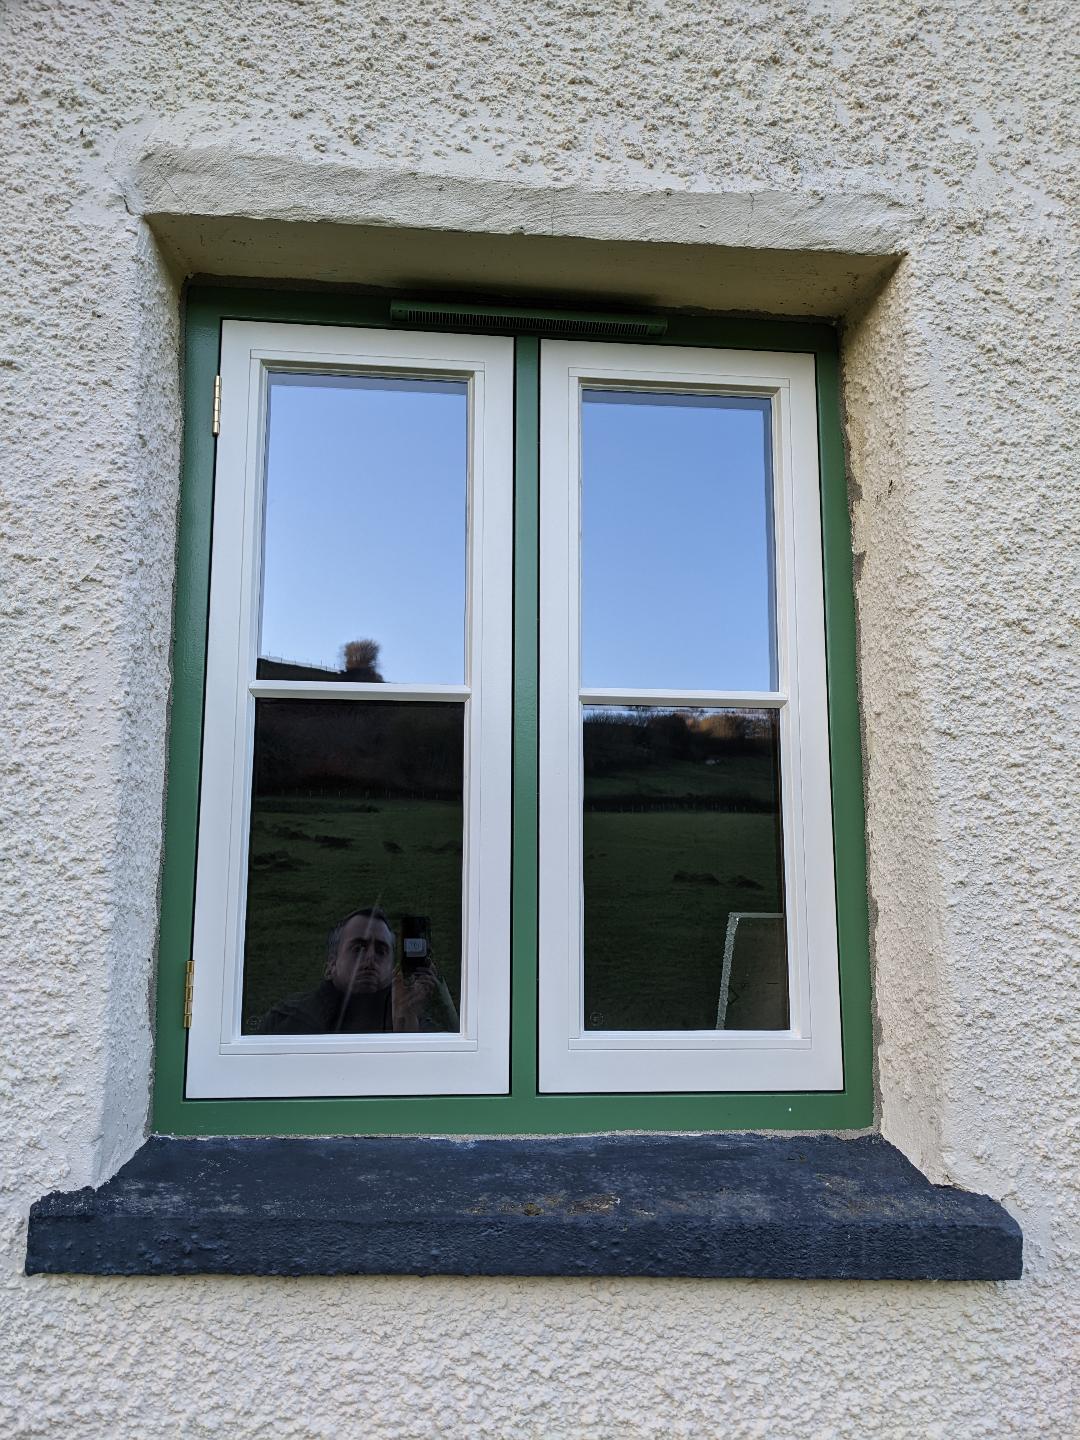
{"x":677,"y":549}
{"x":365,"y":523}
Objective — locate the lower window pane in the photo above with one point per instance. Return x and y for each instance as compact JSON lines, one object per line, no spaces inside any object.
{"x":354,"y":894}
{"x":683,"y":870}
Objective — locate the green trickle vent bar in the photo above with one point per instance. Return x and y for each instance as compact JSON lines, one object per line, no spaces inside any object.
{"x":525,"y":321}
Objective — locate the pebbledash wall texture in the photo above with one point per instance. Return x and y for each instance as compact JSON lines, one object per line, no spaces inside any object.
{"x":904,"y":169}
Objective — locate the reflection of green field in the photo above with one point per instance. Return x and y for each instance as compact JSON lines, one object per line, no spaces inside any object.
{"x":658,"y":890}
{"x":313,"y":860}
{"x":740,"y":779}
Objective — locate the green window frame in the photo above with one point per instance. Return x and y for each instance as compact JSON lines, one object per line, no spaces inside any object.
{"x":524,"y":1110}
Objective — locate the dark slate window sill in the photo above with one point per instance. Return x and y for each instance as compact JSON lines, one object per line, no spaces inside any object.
{"x":814,"y":1207}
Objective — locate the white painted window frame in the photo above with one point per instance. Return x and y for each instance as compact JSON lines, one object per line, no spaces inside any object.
{"x":807,"y":1056}
{"x":223,"y":1063}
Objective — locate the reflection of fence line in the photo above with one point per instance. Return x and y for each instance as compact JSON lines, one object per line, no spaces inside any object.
{"x":353,"y":797}
{"x":329,"y":667}
{"x":728,"y":805}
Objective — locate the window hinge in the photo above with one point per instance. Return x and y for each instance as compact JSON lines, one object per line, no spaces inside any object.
{"x":189,"y":988}
{"x":216,"y":427}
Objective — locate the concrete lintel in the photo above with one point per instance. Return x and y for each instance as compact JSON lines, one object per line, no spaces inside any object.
{"x":221,"y":211}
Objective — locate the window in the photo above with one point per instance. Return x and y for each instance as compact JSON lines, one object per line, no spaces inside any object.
{"x":357,"y":741}
{"x":687,"y":924}
{"x":512,"y":794}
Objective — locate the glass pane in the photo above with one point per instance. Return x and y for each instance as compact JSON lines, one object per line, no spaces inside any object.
{"x":356,"y":807}
{"x":364,"y":544}
{"x":683,"y":870}
{"x":677,"y":545}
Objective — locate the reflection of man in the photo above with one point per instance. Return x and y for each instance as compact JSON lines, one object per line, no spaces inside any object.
{"x":363,"y":990}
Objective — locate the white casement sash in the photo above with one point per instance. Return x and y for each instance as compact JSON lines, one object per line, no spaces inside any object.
{"x":808,"y":1055}
{"x":223,"y":1063}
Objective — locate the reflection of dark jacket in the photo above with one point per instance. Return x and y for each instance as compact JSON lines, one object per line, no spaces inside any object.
{"x":321,"y":1012}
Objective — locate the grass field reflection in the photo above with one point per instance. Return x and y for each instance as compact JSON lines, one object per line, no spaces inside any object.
{"x":353,"y":804}
{"x":681,"y":832}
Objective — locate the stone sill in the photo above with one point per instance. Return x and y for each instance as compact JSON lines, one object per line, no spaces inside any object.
{"x":769,"y":1207}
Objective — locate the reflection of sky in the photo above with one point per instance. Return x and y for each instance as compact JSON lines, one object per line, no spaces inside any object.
{"x":365,"y":524}
{"x":676,"y":560}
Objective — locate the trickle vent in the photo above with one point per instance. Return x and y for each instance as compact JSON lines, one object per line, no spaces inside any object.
{"x":527,"y":322}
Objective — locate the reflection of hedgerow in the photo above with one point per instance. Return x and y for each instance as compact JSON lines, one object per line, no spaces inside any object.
{"x":359,"y":748}
{"x":618,"y":739}
{"x":643,"y":759}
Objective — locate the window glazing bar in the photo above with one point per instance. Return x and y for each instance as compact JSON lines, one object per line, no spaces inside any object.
{"x":726,"y":699}
{"x":343,"y":689}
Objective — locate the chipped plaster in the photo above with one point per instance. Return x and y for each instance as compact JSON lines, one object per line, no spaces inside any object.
{"x":824,"y":138}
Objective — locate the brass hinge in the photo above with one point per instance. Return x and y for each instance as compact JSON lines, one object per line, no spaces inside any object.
{"x":189,"y":988}
{"x":216,"y":427}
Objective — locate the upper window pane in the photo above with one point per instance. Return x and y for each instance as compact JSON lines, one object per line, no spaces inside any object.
{"x":677,"y":542}
{"x":364,"y":536}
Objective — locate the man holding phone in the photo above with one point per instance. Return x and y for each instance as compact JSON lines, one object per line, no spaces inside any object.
{"x":364,"y":989}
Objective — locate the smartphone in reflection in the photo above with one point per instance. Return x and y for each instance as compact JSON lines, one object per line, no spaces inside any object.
{"x":415,"y":942}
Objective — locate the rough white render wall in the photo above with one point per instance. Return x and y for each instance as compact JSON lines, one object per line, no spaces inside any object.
{"x":953,"y":115}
